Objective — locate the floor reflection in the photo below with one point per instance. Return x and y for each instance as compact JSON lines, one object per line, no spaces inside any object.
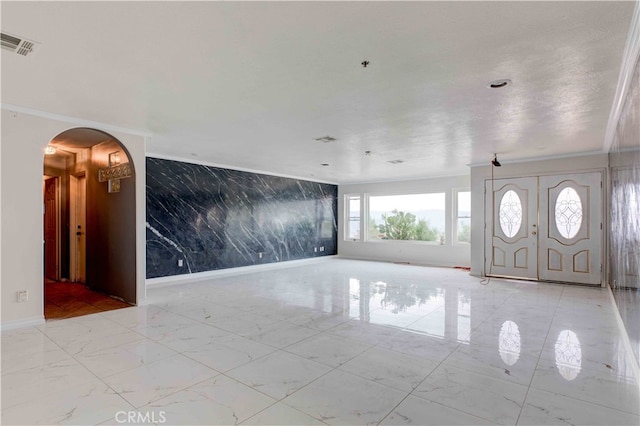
{"x":568,"y":354}
{"x":432,"y":311}
{"x":509,"y":342}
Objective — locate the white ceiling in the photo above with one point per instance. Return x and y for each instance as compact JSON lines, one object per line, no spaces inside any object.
{"x":251,"y":85}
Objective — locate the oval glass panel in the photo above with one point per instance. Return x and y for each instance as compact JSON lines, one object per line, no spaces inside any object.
{"x":510,"y":213}
{"x":568,"y":212}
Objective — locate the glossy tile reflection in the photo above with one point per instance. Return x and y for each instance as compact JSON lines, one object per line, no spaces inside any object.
{"x":336,"y":342}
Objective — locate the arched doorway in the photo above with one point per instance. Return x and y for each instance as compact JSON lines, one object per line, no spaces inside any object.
{"x":89,"y":224}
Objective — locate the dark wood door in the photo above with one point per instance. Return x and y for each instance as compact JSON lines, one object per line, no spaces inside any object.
{"x":50,"y":229}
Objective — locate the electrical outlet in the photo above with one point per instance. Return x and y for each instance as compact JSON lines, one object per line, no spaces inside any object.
{"x":260,"y":255}
{"x":321,"y":248}
{"x":180,"y":263}
{"x":315,"y":249}
{"x":23,"y":296}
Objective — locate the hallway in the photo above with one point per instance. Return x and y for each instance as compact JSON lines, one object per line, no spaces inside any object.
{"x":68,"y":300}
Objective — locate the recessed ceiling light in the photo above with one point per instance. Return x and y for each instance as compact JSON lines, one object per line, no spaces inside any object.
{"x":498,"y":84}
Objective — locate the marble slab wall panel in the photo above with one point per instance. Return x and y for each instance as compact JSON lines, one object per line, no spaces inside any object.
{"x":624,"y":161}
{"x":213,"y":218}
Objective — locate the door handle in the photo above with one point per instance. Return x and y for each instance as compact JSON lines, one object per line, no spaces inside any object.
{"x":534,"y":233}
{"x":78,"y":233}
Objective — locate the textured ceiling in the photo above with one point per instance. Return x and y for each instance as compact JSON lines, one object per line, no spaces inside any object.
{"x":252,"y":85}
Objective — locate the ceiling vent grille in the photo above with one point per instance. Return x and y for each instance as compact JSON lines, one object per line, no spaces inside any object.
{"x":326,"y":139}
{"x":18,"y":45}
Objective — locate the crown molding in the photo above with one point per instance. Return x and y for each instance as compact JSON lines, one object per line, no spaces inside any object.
{"x":75,"y":120}
{"x":230,"y":167}
{"x":544,"y":158}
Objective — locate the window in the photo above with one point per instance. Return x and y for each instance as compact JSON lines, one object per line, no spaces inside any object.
{"x":352,"y":231}
{"x":463,"y":217}
{"x":418,"y":217}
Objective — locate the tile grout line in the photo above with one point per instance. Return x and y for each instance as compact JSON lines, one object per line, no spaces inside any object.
{"x":540,"y":355}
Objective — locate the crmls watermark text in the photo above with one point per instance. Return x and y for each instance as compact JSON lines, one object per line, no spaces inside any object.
{"x":136,"y":417}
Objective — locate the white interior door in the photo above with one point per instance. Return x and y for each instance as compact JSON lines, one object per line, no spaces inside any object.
{"x":570,"y":243}
{"x":545,"y":228}
{"x":511,"y":240}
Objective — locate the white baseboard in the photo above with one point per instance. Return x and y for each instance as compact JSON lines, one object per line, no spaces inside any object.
{"x":22,"y":323}
{"x":200,"y":276}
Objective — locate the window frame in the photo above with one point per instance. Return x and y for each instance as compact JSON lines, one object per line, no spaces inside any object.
{"x":347,"y":217}
{"x":455,"y":212}
{"x":366,"y":209}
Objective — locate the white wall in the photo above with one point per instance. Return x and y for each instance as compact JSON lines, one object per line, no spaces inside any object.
{"x":24,"y":137}
{"x":480,"y":174}
{"x":449,"y":254}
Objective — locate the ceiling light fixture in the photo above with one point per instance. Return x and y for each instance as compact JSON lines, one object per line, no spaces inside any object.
{"x":50,"y":150}
{"x":495,"y":161}
{"x":499,"y":84}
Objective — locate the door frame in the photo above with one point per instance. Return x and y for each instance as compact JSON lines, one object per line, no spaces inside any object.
{"x":605,"y":215}
{"x":74,"y":181}
{"x":56,"y":181}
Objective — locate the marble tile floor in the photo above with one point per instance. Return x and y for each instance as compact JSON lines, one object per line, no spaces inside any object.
{"x":334,"y":342}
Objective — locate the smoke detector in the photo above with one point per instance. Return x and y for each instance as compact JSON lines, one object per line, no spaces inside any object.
{"x":18,"y":45}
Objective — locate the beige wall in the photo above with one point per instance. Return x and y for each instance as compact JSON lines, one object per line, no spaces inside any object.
{"x":480,"y":174}
{"x":24,"y":138}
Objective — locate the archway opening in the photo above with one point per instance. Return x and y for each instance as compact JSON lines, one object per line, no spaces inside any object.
{"x":89,"y":224}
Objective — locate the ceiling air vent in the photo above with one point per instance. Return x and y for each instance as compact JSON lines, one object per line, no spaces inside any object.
{"x":18,"y":45}
{"x":326,"y":139}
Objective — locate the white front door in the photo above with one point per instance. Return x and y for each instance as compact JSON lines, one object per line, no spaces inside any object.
{"x":571,"y":228}
{"x":545,"y":228}
{"x":511,"y":245}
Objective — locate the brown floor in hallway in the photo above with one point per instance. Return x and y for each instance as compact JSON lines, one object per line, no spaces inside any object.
{"x":67,"y":300}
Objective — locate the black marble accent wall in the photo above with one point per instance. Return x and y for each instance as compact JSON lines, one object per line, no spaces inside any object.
{"x":210,"y":218}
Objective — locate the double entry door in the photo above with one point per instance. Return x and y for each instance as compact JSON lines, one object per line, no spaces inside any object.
{"x":545,"y":228}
